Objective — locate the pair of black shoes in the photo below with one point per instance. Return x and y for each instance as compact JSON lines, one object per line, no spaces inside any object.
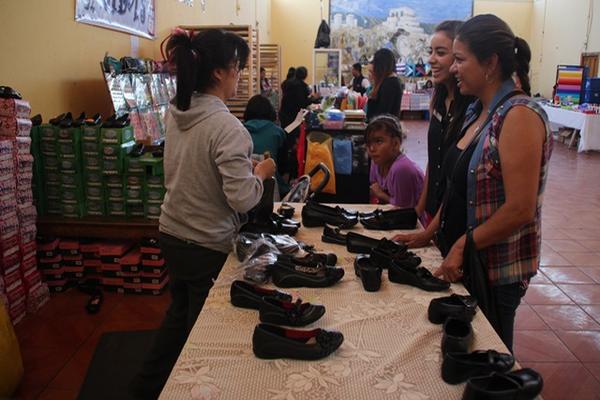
{"x":288,"y":273}
{"x":316,"y":214}
{"x":274,"y":306}
{"x":368,"y":272}
{"x":456,"y":313}
{"x":403,"y":218}
{"x":261,"y":218}
{"x":117,"y":122}
{"x":383,"y":251}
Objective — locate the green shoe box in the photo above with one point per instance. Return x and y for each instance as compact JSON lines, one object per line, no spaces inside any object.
{"x":72,"y":209}
{"x":155,"y":193}
{"x":71,"y":179}
{"x":152,"y":209}
{"x":95,"y":207}
{"x":93,"y":177}
{"x":53,"y":191}
{"x":52,"y":177}
{"x":134,"y":166}
{"x":94,"y":191}
{"x":48,"y":131}
{"x":90,"y":133}
{"x":54,"y":207}
{"x":92,"y":162}
{"x":48,"y":147}
{"x":113,"y":156}
{"x":154,"y":165}
{"x":51,"y":162}
{"x":116,"y":135}
{"x":135,"y":209}
{"x":116,"y":208}
{"x":91,"y":148}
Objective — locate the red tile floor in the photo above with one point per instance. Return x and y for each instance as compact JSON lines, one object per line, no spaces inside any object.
{"x":557,"y":326}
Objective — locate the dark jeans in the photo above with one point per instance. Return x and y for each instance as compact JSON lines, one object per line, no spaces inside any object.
{"x":508,"y":298}
{"x":192,"y":271}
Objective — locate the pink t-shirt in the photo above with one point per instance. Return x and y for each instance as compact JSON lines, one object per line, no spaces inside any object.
{"x":403,"y":182}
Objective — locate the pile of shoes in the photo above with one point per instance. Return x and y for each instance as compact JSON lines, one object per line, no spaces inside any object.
{"x":378,"y":254}
{"x":262,"y":219}
{"x":275,"y":308}
{"x":487,"y":372}
{"x":315,"y":214}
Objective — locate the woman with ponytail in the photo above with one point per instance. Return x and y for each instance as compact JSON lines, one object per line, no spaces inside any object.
{"x":209,"y":180}
{"x":386,"y":95}
{"x":499,"y":169}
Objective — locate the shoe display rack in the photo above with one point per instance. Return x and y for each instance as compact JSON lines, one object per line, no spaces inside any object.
{"x":249,"y":84}
{"x":270,"y":60}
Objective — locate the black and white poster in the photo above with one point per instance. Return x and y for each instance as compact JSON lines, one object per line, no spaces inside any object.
{"x":131,"y":16}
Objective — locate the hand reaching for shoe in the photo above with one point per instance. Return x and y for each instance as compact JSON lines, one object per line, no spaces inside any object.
{"x":413,"y":240}
{"x":265,"y":169}
{"x":451,"y":269}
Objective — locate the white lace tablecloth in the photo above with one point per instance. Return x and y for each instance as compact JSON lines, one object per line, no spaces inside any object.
{"x":390,"y":349}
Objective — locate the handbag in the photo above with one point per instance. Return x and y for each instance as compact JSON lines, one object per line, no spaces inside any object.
{"x":420,"y":68}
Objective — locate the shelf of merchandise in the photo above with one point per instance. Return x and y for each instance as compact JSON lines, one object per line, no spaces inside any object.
{"x":270,"y":59}
{"x":249,"y":84}
{"x":97,"y":227}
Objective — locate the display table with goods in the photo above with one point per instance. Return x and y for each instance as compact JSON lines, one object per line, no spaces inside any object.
{"x":349,"y":337}
{"x":584,"y":121}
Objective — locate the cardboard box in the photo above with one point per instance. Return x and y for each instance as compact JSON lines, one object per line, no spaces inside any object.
{"x":116,"y":135}
{"x":15,"y":108}
{"x":11,"y":126}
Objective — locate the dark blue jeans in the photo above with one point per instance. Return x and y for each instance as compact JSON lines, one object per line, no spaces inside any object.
{"x":508,"y":298}
{"x":192,"y":271}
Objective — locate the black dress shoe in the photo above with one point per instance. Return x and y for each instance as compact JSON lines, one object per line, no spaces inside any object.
{"x":369,"y":273}
{"x":335,"y":209}
{"x":274,"y":311}
{"x":385,"y":256}
{"x":270,"y":341}
{"x":332,"y":234}
{"x":315,"y":214}
{"x":457,"y":337}
{"x":357,"y":243}
{"x":56,"y":120}
{"x":418,"y":277}
{"x":458,"y":367}
{"x":455,"y":305}
{"x":524,"y":384}
{"x":245,"y":295}
{"x":286,"y":210}
{"x":310,"y":259}
{"x":36,"y":120}
{"x":77,"y":122}
{"x":404,"y":218}
{"x":288,"y":275}
{"x":67,"y":121}
{"x":94,"y":120}
{"x":284,"y":220}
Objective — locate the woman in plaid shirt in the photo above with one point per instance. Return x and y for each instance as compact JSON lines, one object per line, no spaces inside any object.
{"x":498,"y":168}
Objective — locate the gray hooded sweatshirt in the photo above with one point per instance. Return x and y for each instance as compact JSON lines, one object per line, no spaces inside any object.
{"x":208,"y":174}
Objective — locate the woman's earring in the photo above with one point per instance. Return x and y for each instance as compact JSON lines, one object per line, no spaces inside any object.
{"x":487,"y":77}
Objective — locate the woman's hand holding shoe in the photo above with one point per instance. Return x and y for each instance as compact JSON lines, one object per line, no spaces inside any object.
{"x":265,"y":169}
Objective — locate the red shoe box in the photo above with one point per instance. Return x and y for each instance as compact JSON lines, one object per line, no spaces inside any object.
{"x":114,"y":281}
{"x":11,"y":126}
{"x":15,"y":108}
{"x":152,"y":257}
{"x":48,"y":245}
{"x":132,"y":288}
{"x":150,"y":250}
{"x":8,"y":203}
{"x":111,"y":270}
{"x":26,"y":213}
{"x":56,"y":274}
{"x":50,"y":263}
{"x":11,"y":276}
{"x":115,"y":249}
{"x":28,"y":247}
{"x":69,"y":247}
{"x":17,"y":311}
{"x":153,"y":278}
{"x":130,"y":262}
{"x":31,"y":278}
{"x":153,"y":263}
{"x":9,"y":258}
{"x":23,"y":145}
{"x":15,"y":292}
{"x":37,"y":296}
{"x":6,"y":149}
{"x":9,"y":225}
{"x":155,"y":289}
{"x":90,"y":250}
{"x":57,"y":286}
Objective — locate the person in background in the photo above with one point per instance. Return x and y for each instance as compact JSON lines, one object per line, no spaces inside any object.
{"x":447,"y":112}
{"x":291,"y":74}
{"x":296,"y":96}
{"x":386,"y":95}
{"x":499,"y":170}
{"x":267,"y":137}
{"x":358,"y":83}
{"x":265,"y":85}
{"x":395,"y":178}
{"x":209,"y":181}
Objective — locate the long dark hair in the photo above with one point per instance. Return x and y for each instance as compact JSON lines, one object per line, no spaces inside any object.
{"x":384,"y":64}
{"x":195,"y":56}
{"x":259,"y":107}
{"x":487,"y":35}
{"x":440,"y":93}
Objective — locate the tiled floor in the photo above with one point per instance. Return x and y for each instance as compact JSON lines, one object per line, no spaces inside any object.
{"x":557,"y":326}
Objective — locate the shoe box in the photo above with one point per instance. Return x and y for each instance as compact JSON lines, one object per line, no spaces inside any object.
{"x":13,"y":126}
{"x":110,"y":255}
{"x":14,"y":108}
{"x":92,"y":264}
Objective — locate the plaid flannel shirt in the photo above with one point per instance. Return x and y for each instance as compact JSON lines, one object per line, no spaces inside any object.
{"x":517,"y":257}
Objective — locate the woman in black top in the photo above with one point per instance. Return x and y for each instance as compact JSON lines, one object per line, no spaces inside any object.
{"x":386,"y":96}
{"x":448,"y":109}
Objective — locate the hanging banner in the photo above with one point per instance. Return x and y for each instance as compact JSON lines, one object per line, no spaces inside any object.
{"x":131,"y":16}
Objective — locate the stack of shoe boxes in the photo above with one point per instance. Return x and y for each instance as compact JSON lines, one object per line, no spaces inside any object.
{"x":130,"y":271}
{"x":50,"y":262}
{"x":20,"y":280}
{"x":37,"y":185}
{"x":92,"y":264}
{"x":72,"y":260}
{"x":95,"y":203}
{"x":135,"y":186}
{"x":110,"y":255}
{"x":115,"y":142}
{"x":154,"y":270}
{"x":71,"y":174}
{"x":50,"y":165}
{"x":155,"y":193}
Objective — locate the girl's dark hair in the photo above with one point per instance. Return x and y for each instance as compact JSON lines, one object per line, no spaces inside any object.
{"x":461,"y":102}
{"x":301,"y":73}
{"x":259,"y":107}
{"x":291,"y":73}
{"x":358,"y":67}
{"x":384,"y":63}
{"x":385,"y":122}
{"x":487,"y":35}
{"x":195,"y":56}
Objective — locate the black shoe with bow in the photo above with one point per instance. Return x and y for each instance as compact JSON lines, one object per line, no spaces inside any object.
{"x":315,"y":214}
{"x":310,"y":259}
{"x":418,"y":277}
{"x":274,"y":311}
{"x":524,"y":384}
{"x":245,"y":295}
{"x":404,"y":218}
{"x":455,"y":305}
{"x":368,"y":272}
{"x":458,"y":367}
{"x":457,"y":337}
{"x":286,"y":274}
{"x":357,"y":243}
{"x":333,"y":234}
{"x":270,"y":342}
